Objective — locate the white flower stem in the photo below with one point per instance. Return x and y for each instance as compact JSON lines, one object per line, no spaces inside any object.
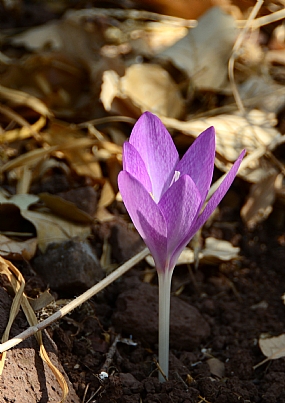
{"x":164,"y":283}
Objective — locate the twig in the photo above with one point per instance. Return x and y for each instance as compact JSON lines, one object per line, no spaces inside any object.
{"x":235,"y":53}
{"x":75,"y":303}
{"x":160,"y":370}
{"x":268,"y":19}
{"x":110,"y":355}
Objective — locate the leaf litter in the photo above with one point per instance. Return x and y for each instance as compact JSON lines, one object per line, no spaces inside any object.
{"x":84,"y":67}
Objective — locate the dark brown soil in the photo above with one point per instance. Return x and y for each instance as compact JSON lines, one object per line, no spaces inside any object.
{"x":235,"y":304}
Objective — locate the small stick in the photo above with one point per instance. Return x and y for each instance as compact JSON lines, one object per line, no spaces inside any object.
{"x":76,"y":302}
{"x":110,"y":355}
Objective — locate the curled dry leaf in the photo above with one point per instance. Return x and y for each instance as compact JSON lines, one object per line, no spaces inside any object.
{"x":52,"y":229}
{"x":11,"y":249}
{"x":148,"y":86}
{"x":272,"y":347}
{"x":203,"y":59}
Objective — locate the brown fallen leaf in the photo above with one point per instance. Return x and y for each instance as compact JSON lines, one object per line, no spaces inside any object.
{"x":259,"y":203}
{"x":147,"y":86}
{"x":53,"y":229}
{"x":11,"y":249}
{"x":217,"y":367}
{"x":65,"y":208}
{"x":272,"y":347}
{"x":203,"y":59}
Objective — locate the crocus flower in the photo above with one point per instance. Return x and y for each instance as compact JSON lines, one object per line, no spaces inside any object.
{"x":164,"y":197}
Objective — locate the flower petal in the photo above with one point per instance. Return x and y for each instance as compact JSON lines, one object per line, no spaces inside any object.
{"x":180,"y":205}
{"x":156,"y":147}
{"x":212,"y":203}
{"x":146,"y":217}
{"x":133,"y":163}
{"x":198,"y":161}
{"x":219,"y":193}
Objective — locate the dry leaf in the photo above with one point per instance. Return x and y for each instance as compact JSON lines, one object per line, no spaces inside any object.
{"x":40,"y":37}
{"x":204,"y":53}
{"x":107,"y":195}
{"x":217,"y":367}
{"x":217,"y":250}
{"x":65,"y":208}
{"x":259,"y":203}
{"x":11,"y":249}
{"x":234,"y":133}
{"x":75,"y":146}
{"x":262,"y":92}
{"x":147,"y":86}
{"x":272,"y":347}
{"x":45,"y":298}
{"x":52,"y":229}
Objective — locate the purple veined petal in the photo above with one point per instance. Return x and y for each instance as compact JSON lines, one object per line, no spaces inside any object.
{"x":180,"y":205}
{"x":210,"y":207}
{"x":133,"y":163}
{"x":198,"y":161}
{"x":146,"y":217}
{"x":155,"y":145}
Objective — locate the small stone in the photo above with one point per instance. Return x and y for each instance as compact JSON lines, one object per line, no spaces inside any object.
{"x":71,"y":267}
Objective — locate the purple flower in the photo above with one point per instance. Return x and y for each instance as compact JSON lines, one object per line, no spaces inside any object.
{"x":164,"y":195}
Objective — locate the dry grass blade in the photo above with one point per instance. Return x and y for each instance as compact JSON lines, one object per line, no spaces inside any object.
{"x":235,"y":51}
{"x":17,"y":282}
{"x":23,"y":132}
{"x":5,"y":110}
{"x":18,"y":286}
{"x":75,"y":303}
{"x":22,"y":98}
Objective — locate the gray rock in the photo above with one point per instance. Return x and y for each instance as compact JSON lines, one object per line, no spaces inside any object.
{"x":71,"y":267}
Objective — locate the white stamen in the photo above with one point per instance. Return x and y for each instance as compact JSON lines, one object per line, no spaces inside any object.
{"x":175,"y":178}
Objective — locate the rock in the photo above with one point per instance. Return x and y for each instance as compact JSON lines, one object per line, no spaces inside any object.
{"x":137,"y":315}
{"x":25,"y":378}
{"x":71,"y":267}
{"x":125,"y":241}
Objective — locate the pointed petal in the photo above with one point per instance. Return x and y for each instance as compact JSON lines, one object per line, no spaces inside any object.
{"x":219,"y":193}
{"x":156,"y":147}
{"x":133,"y":163}
{"x":180,"y":205}
{"x":146,"y":217}
{"x":212,"y":204}
{"x":198,"y":161}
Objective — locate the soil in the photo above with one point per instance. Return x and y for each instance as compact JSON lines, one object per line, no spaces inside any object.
{"x":216,"y":322}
